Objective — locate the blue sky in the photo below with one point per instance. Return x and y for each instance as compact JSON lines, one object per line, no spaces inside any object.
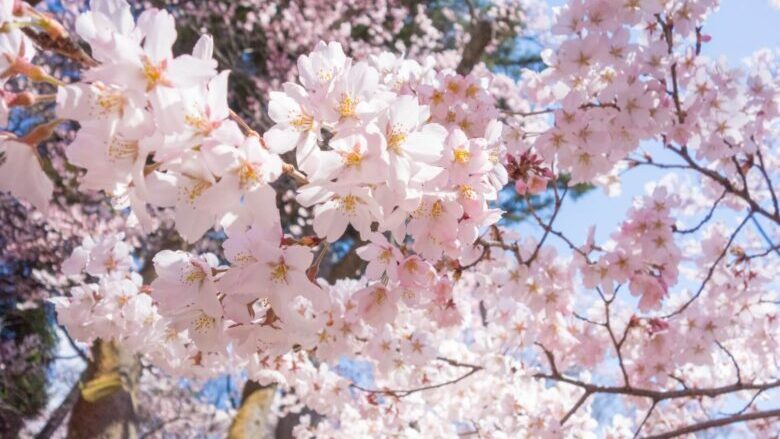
{"x":738,"y":28}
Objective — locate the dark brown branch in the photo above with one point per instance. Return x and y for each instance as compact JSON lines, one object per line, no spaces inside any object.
{"x":546,"y":227}
{"x":618,"y":345}
{"x":667,"y":26}
{"x":644,"y":420}
{"x":481,"y":35}
{"x":407,"y":392}
{"x":762,"y":169}
{"x":706,"y":219}
{"x":576,"y":406}
{"x":749,"y":403}
{"x":65,"y":47}
{"x":724,"y":182}
{"x":733,"y":361}
{"x":58,"y":415}
{"x":73,"y":344}
{"x":659,"y":395}
{"x":655,"y":395}
{"x":717,"y":423}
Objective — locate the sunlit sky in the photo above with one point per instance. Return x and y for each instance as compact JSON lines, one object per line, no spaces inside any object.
{"x":738,"y":28}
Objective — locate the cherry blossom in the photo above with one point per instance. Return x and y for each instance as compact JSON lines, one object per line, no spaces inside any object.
{"x":469,"y":323}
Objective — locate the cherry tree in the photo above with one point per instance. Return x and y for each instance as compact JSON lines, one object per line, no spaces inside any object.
{"x":470,"y":325}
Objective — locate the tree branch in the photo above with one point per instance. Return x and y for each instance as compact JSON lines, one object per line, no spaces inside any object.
{"x":717,"y":423}
{"x":481,"y":35}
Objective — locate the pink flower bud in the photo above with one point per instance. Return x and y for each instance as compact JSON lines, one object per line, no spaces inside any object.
{"x":537,"y":184}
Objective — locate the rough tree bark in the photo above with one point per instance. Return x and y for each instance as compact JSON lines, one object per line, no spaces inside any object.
{"x":251,"y":421}
{"x":481,"y":35}
{"x":59,"y":414}
{"x":105,"y":408}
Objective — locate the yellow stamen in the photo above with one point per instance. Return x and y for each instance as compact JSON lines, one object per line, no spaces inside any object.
{"x":111,"y":102}
{"x":450,"y":117}
{"x":379,"y":295}
{"x":204,"y":323}
{"x":279,"y":272}
{"x":395,"y":140}
{"x":462,"y":156}
{"x":198,"y":123}
{"x":465,"y":125}
{"x":386,"y":255}
{"x":248,"y":174}
{"x":196,"y":190}
{"x":352,"y":159}
{"x":347,"y":106}
{"x":303,"y":122}
{"x":195,"y":274}
{"x":155,"y":74}
{"x":349,"y":203}
{"x":468,"y":192}
{"x":121,"y":149}
{"x":437,"y":209}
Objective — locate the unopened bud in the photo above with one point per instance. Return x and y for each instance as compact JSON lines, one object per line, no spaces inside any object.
{"x":18,"y":8}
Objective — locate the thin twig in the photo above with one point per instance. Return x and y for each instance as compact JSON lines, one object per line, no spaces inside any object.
{"x":706,"y":219}
{"x":644,"y":420}
{"x":576,"y":406}
{"x":711,"y":269}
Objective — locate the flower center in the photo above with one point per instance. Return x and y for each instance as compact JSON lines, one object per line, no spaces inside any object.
{"x":194,"y":274}
{"x":279,"y":272}
{"x":347,"y":106}
{"x":437,"y":209}
{"x":196,"y":190}
{"x":462,"y":156}
{"x":472,"y":91}
{"x":386,"y":255}
{"x":437,"y":97}
{"x":468,"y":192}
{"x":248,"y":174}
{"x":303,"y":122}
{"x":395,"y":140}
{"x":110,"y":102}
{"x":352,"y":159}
{"x":349,"y":203}
{"x":198,"y":123}
{"x":122,"y":149}
{"x":379,"y":295}
{"x":155,"y":74}
{"x":204,"y":323}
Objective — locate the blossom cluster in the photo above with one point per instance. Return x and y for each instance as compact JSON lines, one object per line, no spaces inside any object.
{"x":408,"y":161}
{"x":372,"y":154}
{"x":645,"y":255}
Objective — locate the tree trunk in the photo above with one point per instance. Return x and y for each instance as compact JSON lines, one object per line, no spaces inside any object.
{"x":481,"y":35}
{"x":106,"y":404}
{"x":60,"y":413}
{"x":251,"y":421}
